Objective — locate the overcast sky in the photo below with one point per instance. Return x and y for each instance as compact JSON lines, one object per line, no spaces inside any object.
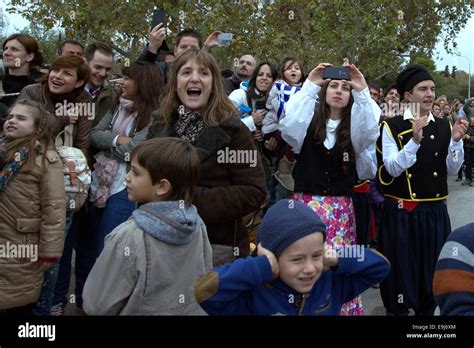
{"x":465,"y":47}
{"x":465,"y":44}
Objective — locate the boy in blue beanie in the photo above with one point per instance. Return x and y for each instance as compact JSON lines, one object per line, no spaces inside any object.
{"x":292,"y":273}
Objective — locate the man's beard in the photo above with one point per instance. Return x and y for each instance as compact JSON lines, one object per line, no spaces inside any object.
{"x":242,"y":77}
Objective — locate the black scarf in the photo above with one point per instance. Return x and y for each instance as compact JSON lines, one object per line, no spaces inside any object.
{"x":189,"y":124}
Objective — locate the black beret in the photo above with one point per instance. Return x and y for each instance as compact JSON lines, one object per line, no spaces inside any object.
{"x":410,"y":77}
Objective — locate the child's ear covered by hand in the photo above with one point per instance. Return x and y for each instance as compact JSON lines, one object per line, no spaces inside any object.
{"x":271,"y":258}
{"x":330,"y":258}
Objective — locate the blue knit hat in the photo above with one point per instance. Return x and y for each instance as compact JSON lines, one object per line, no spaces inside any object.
{"x":285,"y":223}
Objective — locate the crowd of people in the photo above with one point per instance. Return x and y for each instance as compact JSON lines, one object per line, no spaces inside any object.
{"x":347,"y":189}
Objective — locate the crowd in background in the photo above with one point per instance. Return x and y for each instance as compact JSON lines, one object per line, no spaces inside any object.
{"x":333,"y":160}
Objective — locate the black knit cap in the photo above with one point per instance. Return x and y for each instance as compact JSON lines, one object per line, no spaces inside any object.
{"x":286,"y":222}
{"x":410,"y":77}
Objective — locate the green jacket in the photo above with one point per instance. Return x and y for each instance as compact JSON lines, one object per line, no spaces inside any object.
{"x":103,"y":103}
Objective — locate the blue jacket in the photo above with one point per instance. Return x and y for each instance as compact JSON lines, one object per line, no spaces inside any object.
{"x":453,"y":283}
{"x":245,"y":287}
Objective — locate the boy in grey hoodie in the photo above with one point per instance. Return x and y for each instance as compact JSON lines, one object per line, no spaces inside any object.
{"x":150,"y":262}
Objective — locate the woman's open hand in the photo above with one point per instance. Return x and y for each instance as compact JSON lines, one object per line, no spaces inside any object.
{"x":357,"y":79}
{"x":316,"y":75}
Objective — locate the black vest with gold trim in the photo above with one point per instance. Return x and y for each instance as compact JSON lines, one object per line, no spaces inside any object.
{"x":426,"y":180}
{"x":378,"y":151}
{"x":319,"y":171}
{"x":382,"y":175}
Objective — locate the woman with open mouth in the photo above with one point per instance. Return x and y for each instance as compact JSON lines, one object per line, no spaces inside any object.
{"x":194,"y":107}
{"x":61,"y":93}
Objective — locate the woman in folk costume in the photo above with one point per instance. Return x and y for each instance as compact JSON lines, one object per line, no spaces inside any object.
{"x":333,"y":144}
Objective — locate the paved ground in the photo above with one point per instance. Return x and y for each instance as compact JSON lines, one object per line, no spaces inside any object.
{"x":460,"y":203}
{"x":461,"y":212}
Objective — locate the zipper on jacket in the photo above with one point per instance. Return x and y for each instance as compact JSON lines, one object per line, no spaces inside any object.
{"x":300,"y":310}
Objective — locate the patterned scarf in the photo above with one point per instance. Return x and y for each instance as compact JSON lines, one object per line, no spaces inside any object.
{"x":125,"y":116}
{"x":284,"y":92}
{"x":12,"y":168}
{"x":189,"y":124}
{"x":106,"y":168}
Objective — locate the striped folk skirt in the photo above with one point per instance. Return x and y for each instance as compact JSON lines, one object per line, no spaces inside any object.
{"x":337,"y":213}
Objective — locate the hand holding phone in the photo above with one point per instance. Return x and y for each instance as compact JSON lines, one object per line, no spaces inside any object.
{"x":357,"y":79}
{"x":315,"y":75}
{"x":159,"y":16}
{"x":260,"y":105}
{"x":157,"y":32}
{"x":258,"y":116}
{"x":324,"y":72}
{"x":225,"y":39}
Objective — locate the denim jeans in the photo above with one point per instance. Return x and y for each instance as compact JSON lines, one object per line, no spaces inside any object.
{"x":81,"y":238}
{"x":271,"y":188}
{"x":117,"y":210}
{"x":90,"y":227}
{"x":282,"y":193}
{"x":44,"y":303}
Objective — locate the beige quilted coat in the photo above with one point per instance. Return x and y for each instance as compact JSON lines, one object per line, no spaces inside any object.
{"x":33,"y":213}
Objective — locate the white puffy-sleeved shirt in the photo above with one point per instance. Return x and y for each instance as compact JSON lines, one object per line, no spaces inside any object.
{"x":365,"y":115}
{"x":279,"y":95}
{"x":396,"y":162}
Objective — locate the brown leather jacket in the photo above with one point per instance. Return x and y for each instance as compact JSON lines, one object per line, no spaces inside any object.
{"x":83,"y":126}
{"x":226,"y":192}
{"x":32,"y":218}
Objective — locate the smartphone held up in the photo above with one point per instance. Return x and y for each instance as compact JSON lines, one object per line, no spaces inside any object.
{"x":159,"y":16}
{"x":225,"y":39}
{"x":336,"y":73}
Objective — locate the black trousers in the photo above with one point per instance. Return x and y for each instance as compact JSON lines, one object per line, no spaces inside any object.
{"x":469,"y":162}
{"x":363,"y":216}
{"x":412,"y":241}
{"x":80,"y":237}
{"x":23,"y":311}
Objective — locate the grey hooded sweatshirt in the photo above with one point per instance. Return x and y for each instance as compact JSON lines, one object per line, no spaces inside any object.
{"x":150,"y":263}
